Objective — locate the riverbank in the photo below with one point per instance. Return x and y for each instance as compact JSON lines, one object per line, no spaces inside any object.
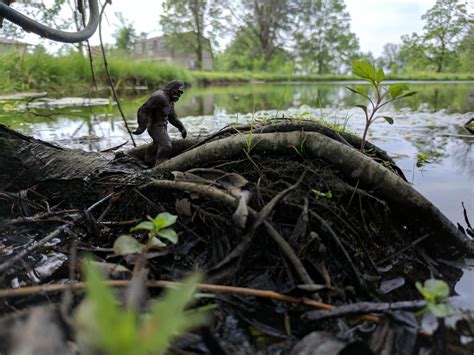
{"x":71,"y":74}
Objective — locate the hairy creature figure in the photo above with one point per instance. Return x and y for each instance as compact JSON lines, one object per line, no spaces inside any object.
{"x":154,"y":115}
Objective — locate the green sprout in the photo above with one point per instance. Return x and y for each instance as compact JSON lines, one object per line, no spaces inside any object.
{"x":435,"y":293}
{"x":382,"y":95}
{"x":102,"y":326}
{"x":157,"y":227}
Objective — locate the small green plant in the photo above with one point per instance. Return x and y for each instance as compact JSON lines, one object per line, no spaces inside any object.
{"x":421,"y":160}
{"x":102,"y":326}
{"x":325,"y":195}
{"x":435,"y":293}
{"x":157,"y":227}
{"x":383,"y":95}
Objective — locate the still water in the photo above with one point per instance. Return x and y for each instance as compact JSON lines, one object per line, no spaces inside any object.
{"x":429,"y":123}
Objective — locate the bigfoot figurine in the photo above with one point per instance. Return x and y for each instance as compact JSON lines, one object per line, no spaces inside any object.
{"x":154,"y":115}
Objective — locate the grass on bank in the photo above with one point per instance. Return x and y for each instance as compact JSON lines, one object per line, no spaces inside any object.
{"x":66,"y":73}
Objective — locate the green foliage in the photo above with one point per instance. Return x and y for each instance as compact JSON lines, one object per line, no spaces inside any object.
{"x":435,"y":293}
{"x":325,"y":195}
{"x":103,"y":327}
{"x":125,"y":36}
{"x":382,"y":95}
{"x":324,"y":41}
{"x":447,"y":23}
{"x":421,"y":160}
{"x":42,"y":71}
{"x":198,"y":19}
{"x":156,"y":227}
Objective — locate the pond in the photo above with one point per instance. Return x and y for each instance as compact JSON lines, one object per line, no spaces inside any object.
{"x":428,"y":124}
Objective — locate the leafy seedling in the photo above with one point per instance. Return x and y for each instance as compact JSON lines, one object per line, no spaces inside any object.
{"x":435,"y":293}
{"x":382,"y":95}
{"x":157,"y":228}
{"x":102,"y":326}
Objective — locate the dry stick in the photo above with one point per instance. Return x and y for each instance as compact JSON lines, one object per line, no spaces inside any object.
{"x":328,"y":309}
{"x":109,"y":76}
{"x":56,"y":233}
{"x":225,"y":198}
{"x":340,"y":245}
{"x":362,"y":308}
{"x":398,"y":252}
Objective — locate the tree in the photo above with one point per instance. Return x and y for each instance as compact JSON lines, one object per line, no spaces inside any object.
{"x":243,"y":54}
{"x":323,"y":38}
{"x":447,"y":22}
{"x":390,"y":58}
{"x":200,"y":18}
{"x":125,"y":36}
{"x":266,"y":24}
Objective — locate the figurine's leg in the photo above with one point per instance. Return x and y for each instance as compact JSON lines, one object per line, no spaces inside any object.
{"x":164,"y":146}
{"x":150,"y":154}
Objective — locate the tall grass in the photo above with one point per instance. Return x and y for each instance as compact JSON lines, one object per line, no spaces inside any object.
{"x":43,"y":71}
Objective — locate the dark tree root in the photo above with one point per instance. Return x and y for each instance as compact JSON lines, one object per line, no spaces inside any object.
{"x":353,"y":164}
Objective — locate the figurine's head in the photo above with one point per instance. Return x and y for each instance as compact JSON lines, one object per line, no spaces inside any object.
{"x":174,"y":89}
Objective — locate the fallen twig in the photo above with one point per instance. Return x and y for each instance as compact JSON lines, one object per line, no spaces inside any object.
{"x":363,"y":308}
{"x":225,"y":198}
{"x":336,"y":239}
{"x":56,"y":233}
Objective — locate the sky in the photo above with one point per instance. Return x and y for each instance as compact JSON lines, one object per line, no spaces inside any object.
{"x":375,"y":22}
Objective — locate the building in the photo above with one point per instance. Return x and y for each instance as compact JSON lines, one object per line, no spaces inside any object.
{"x":11,"y":46}
{"x":181,"y":52}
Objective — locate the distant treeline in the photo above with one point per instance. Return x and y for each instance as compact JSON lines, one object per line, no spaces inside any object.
{"x":314,"y":36}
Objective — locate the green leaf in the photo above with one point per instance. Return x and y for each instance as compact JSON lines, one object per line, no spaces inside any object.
{"x":364,"y":70}
{"x":395,"y":90}
{"x":364,"y":108}
{"x":125,"y":245}
{"x":379,"y":76}
{"x":148,"y":226}
{"x":155,"y":243}
{"x":441,"y":310}
{"x":169,"y":234}
{"x":434,"y":291}
{"x":408,"y":94}
{"x":116,"y":330}
{"x":169,"y":318}
{"x":164,"y":220}
{"x":388,"y":119}
{"x":364,"y":92}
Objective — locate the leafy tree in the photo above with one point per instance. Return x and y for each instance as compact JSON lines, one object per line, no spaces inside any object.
{"x":390,"y":58}
{"x":266,"y":22}
{"x":125,"y":36}
{"x":200,"y":19}
{"x":242,"y":54}
{"x":447,"y":22}
{"x":323,"y":38}
{"x":466,"y":50}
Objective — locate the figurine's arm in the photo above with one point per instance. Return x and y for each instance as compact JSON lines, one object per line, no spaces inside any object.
{"x":173,"y":119}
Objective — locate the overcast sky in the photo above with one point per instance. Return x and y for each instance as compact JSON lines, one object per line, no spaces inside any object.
{"x":375,"y":22}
